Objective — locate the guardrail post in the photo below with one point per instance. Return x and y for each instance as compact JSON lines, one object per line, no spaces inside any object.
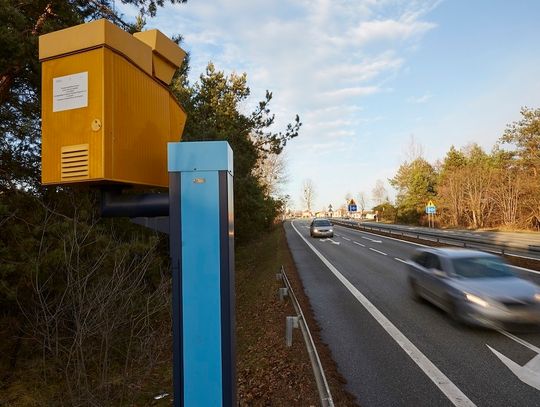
{"x":290,"y":324}
{"x":283,"y":292}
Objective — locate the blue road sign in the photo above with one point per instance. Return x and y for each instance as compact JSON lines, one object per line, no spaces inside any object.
{"x":352,"y":208}
{"x":431,"y":209}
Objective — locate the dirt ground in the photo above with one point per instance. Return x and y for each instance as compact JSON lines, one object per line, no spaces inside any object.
{"x":269,"y":373}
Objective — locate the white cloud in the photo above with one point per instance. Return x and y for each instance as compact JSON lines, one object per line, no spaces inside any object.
{"x":420,"y":99}
{"x":389,"y":30}
{"x":352,"y":91}
{"x":340,"y":133}
{"x":361,"y":71}
{"x":322,"y":59}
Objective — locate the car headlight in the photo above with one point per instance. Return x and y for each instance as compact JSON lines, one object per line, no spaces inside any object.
{"x":537,"y":297}
{"x":315,"y":230}
{"x":477,"y":300}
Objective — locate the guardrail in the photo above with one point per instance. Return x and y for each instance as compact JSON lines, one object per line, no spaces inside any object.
{"x":320,"y":379}
{"x":482,"y":243}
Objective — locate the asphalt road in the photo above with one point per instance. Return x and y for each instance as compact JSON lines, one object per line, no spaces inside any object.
{"x":392,"y":350}
{"x":520,"y":243}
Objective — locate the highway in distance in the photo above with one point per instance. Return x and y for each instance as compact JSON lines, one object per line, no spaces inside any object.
{"x":395,"y":351}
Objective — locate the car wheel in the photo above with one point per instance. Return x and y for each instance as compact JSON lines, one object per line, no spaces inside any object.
{"x":332,"y":235}
{"x":414,"y":290}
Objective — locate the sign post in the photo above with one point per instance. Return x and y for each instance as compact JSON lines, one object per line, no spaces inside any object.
{"x":202,"y":260}
{"x":431,"y":210}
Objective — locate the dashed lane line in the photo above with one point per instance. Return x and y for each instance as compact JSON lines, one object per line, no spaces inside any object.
{"x":387,"y":237}
{"x":378,"y":251}
{"x":423,"y":245}
{"x":445,"y":385}
{"x":346,"y":238}
{"x":371,"y":240}
{"x":401,"y":260}
{"x":359,"y":244}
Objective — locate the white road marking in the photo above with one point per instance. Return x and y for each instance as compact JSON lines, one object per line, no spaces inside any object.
{"x":371,"y":240}
{"x":346,"y":238}
{"x":359,"y":244}
{"x":528,"y":373}
{"x":449,"y":389}
{"x":519,"y":340}
{"x":377,"y":251}
{"x":388,"y":237}
{"x":423,"y":245}
{"x":328,"y":239}
{"x":401,"y":260}
{"x":337,"y":235}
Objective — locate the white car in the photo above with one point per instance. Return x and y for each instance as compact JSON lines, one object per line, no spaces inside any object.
{"x":474,"y":287}
{"x":321,"y":228}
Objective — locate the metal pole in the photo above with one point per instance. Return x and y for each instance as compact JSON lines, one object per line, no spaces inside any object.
{"x":202,"y":263}
{"x":175,"y":244}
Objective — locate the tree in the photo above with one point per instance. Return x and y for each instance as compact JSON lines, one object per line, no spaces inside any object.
{"x":271,"y":172}
{"x":451,"y":186}
{"x":414,"y":150}
{"x":524,"y":134}
{"x":416,"y":183}
{"x":86,"y":299}
{"x":308,"y":194}
{"x":21,"y":22}
{"x":379,"y":193}
{"x":213,"y":105}
{"x":361,"y":200}
{"x":479,"y":178}
{"x":386,"y":211}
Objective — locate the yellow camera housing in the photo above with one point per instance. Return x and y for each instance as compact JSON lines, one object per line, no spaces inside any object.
{"x":107,"y":112}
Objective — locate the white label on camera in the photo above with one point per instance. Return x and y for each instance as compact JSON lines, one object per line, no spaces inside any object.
{"x":70,"y":92}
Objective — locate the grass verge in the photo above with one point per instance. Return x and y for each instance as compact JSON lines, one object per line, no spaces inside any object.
{"x":269,"y":373}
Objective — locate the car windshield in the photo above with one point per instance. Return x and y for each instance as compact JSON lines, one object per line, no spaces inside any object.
{"x":319,"y":223}
{"x":481,"y":267}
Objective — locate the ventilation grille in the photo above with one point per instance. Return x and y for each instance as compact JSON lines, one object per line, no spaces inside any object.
{"x":74,"y":162}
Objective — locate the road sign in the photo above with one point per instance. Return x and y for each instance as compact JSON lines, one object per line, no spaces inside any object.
{"x":352,"y":208}
{"x":431,"y":208}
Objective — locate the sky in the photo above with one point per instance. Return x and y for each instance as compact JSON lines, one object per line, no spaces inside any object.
{"x":369,"y":76}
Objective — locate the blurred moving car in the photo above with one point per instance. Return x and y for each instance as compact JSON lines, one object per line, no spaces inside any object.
{"x":321,"y":228}
{"x":473,"y":287}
